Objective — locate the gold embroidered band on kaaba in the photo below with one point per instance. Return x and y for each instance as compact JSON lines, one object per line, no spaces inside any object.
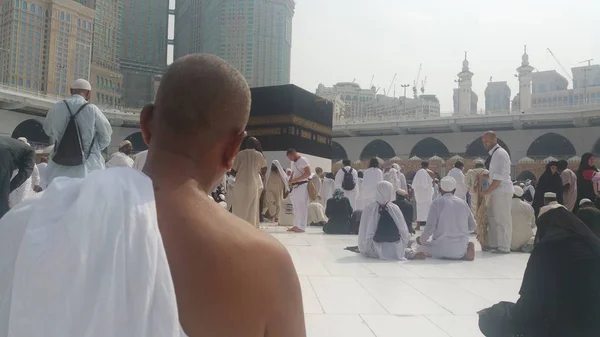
{"x":289,"y":120}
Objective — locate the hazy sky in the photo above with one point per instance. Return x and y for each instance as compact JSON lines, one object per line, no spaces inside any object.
{"x":341,"y":40}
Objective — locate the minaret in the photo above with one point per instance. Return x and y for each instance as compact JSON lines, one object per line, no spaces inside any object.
{"x":464,"y":92}
{"x":525,"y":71}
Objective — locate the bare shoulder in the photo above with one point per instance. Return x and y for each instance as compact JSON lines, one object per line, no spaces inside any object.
{"x":223,"y":267}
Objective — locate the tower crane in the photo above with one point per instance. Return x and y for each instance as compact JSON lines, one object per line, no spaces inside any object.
{"x":561,"y":66}
{"x":393,"y":80}
{"x":416,"y":82}
{"x":423,"y":83}
{"x":372,"y":78}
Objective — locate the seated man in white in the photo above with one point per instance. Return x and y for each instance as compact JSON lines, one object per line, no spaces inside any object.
{"x":523,"y":223}
{"x":449,"y":223}
{"x":550,"y":202}
{"x":383,"y":232}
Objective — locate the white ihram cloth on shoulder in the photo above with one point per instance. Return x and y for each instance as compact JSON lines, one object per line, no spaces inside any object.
{"x":86,"y":258}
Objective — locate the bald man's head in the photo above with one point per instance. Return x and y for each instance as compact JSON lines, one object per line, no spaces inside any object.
{"x":203,"y":92}
{"x":489,"y":139}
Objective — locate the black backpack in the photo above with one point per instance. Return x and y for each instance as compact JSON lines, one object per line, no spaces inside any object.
{"x":348,"y":184}
{"x":387,"y":231}
{"x":68,"y":151}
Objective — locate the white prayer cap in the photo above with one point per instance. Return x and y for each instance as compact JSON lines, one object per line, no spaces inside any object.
{"x":125,"y":143}
{"x":24,"y":140}
{"x":584,"y":201}
{"x":397,"y":167}
{"x":518,"y":191}
{"x":81,"y":84}
{"x":550,"y":195}
{"x":401,"y":192}
{"x":448,"y":184}
{"x":478,"y":161}
{"x":522,"y":185}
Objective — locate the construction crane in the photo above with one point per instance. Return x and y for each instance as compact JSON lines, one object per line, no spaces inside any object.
{"x":423,"y":83}
{"x":585,"y":81}
{"x":393,"y":80}
{"x":561,"y":66}
{"x":372,"y":78}
{"x":416,"y":82}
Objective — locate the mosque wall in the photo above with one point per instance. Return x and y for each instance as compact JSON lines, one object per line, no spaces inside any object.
{"x":517,"y":141}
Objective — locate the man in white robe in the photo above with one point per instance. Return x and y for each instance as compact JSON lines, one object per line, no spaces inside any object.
{"x":245,"y":196}
{"x":423,"y":188}
{"x":353,"y":193}
{"x":369,"y":221}
{"x":140,"y":160}
{"x":72,"y":269}
{"x":550,"y":202}
{"x":523,"y":221}
{"x":448,"y":226}
{"x":327,"y":188}
{"x":458,"y":175}
{"x":299,"y":195}
{"x":371,"y":177}
{"x":401,"y":178}
{"x":94,"y":128}
{"x":317,"y":180}
{"x":500,"y":192}
{"x":359,"y":199}
{"x":121,"y":158}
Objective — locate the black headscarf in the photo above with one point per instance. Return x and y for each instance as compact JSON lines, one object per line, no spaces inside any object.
{"x":548,"y":182}
{"x":560,"y":293}
{"x":585,"y":188}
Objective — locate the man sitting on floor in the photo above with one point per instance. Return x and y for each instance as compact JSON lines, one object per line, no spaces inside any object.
{"x":523,"y":221}
{"x":406,"y":208}
{"x":550,"y":202}
{"x":383,"y":233}
{"x":448,"y":226}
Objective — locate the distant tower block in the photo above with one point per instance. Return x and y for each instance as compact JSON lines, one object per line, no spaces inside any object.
{"x":525,"y":71}
{"x":465,"y":89}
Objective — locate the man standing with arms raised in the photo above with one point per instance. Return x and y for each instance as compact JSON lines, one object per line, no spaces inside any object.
{"x":299,"y":195}
{"x":500,"y":192}
{"x":230,"y":279}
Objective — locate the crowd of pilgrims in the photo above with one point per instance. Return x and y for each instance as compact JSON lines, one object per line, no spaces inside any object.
{"x":98,"y":245}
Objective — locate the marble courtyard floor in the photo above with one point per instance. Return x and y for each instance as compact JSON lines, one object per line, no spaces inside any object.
{"x":347,"y":295}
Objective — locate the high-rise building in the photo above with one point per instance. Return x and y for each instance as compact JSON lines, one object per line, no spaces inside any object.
{"x":255,"y":36}
{"x":497,"y":98}
{"x":45,"y":44}
{"x":105,"y":76}
{"x":143,"y":49}
{"x":187,"y":28}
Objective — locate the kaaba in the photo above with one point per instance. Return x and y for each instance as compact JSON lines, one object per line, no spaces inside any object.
{"x":287,"y":116}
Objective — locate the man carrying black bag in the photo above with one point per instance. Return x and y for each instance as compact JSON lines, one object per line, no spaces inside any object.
{"x":79,"y":132}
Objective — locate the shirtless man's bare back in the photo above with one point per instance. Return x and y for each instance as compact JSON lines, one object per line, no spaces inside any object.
{"x":230,"y":278}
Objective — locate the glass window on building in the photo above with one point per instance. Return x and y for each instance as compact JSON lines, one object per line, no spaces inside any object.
{"x":68,"y":17}
{"x":24,"y":5}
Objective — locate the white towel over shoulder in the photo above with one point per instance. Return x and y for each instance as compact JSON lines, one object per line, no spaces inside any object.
{"x":85,"y":258}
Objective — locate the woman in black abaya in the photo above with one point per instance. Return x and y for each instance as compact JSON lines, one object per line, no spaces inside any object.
{"x":560,"y":293}
{"x":585,"y":173}
{"x":550,"y":181}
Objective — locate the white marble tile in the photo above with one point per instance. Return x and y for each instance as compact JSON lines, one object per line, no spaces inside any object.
{"x":336,"y":326}
{"x":309,"y":298}
{"x":394,"y":326}
{"x":348,"y":295}
{"x":344,"y":295}
{"x":458,"y":326}
{"x":399,"y":298}
{"x":453,"y":298}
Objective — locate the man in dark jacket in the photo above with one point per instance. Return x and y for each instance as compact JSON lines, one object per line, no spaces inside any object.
{"x":406,"y":208}
{"x":14,"y":155}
